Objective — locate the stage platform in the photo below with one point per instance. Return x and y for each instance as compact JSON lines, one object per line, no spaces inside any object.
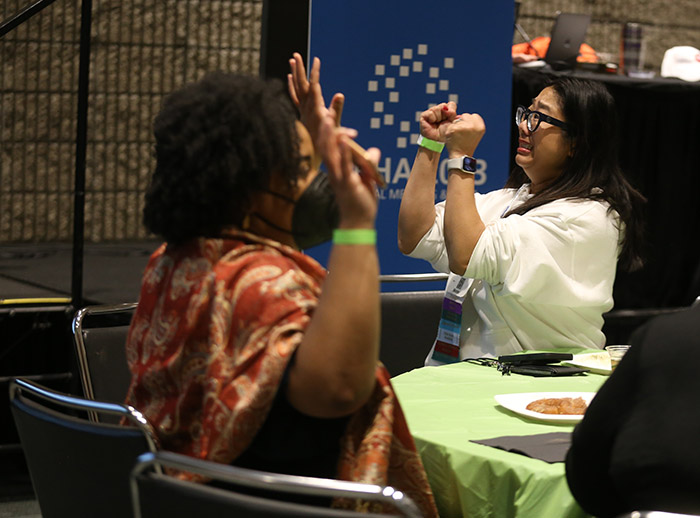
{"x":111,"y":272}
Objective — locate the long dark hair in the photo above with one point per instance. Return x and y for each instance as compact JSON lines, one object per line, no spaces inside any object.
{"x":589,"y":110}
{"x":217,"y":141}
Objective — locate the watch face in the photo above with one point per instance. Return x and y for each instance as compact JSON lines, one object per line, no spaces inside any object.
{"x":465,"y":163}
{"x":469,"y":164}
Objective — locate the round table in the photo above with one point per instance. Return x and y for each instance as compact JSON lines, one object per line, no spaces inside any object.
{"x":448,"y":406}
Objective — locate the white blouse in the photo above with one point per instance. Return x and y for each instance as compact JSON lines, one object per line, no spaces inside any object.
{"x":538,"y":281}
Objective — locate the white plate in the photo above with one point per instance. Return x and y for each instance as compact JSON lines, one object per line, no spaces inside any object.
{"x":597,"y":362}
{"x":518,"y":402}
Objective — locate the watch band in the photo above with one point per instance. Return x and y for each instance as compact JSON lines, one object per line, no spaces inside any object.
{"x":466,"y":164}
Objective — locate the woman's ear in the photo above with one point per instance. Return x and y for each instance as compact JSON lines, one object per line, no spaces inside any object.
{"x":245,"y":224}
{"x":243,"y":214}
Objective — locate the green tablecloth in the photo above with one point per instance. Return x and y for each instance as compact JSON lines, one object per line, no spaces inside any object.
{"x":448,"y":406}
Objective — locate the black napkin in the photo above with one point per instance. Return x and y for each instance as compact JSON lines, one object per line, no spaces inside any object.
{"x":549,"y":447}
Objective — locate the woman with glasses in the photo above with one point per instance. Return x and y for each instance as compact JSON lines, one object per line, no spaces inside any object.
{"x":531,"y":265}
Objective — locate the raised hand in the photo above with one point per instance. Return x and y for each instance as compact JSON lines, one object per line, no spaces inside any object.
{"x":308,"y":97}
{"x":434,"y":121}
{"x":463,"y":134}
{"x":355,"y":193}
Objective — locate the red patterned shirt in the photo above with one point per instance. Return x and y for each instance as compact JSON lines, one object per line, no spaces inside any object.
{"x":216,"y":325}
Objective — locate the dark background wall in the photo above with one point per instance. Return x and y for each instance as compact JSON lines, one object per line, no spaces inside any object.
{"x":143,"y":49}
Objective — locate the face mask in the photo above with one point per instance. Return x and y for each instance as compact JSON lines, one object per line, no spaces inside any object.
{"x":315,"y":214}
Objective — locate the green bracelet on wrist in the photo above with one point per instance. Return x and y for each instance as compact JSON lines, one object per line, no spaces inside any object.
{"x":354,"y":236}
{"x":432,"y":145}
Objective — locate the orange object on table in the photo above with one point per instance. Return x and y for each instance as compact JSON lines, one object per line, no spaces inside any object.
{"x":539,"y":46}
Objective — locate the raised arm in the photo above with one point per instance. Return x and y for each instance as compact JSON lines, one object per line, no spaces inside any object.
{"x":417,"y":211}
{"x":334,"y":367}
{"x":463,"y":224}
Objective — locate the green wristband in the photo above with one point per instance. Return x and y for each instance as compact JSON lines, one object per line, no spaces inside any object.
{"x":432,"y":145}
{"x":354,"y":236}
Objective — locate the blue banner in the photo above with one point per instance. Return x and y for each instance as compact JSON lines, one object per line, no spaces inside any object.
{"x":393,"y":59}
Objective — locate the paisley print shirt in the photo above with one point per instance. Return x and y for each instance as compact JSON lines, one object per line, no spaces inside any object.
{"x":216,"y":325}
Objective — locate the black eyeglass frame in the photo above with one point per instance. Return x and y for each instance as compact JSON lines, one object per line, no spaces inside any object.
{"x":524,"y":112}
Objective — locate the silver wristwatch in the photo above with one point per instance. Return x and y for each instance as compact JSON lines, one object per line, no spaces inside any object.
{"x":466,"y":164}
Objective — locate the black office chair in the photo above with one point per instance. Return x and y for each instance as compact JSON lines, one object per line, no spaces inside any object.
{"x":99,"y":335}
{"x":409,"y":322}
{"x":156,"y":494}
{"x":78,"y":468}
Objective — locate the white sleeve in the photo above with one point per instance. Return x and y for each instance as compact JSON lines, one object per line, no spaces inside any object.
{"x":563,"y":253}
{"x":431,"y":247}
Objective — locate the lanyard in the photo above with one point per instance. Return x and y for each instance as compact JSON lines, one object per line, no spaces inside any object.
{"x":446,"y":348}
{"x":517,"y":195}
{"x":447,"y":343}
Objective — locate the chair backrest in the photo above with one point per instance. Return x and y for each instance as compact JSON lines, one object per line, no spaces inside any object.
{"x":620,"y":324}
{"x":409,"y":327}
{"x":99,"y":335}
{"x":156,"y":494}
{"x":656,"y":514}
{"x":78,"y":468}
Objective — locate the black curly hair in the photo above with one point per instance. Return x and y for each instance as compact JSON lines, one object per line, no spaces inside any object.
{"x":217,"y":141}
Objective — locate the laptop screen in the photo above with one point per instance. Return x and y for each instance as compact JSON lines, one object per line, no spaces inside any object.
{"x":568,"y":33}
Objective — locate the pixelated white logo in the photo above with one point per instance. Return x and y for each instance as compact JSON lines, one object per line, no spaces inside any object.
{"x":385,"y":94}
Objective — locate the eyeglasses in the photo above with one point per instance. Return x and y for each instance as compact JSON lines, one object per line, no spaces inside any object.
{"x":534,"y":118}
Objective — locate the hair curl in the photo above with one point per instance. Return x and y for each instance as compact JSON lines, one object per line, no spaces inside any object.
{"x":589,"y":110}
{"x":217,"y":141}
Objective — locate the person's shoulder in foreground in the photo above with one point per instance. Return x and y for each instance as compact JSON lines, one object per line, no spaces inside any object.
{"x":636,"y":447}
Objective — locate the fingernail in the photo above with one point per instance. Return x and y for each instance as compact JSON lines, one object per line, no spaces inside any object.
{"x":445,"y":108}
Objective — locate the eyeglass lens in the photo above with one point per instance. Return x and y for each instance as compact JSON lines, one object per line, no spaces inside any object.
{"x":533,"y":118}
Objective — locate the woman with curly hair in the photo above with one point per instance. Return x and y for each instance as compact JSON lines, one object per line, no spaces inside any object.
{"x":242,"y":350}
